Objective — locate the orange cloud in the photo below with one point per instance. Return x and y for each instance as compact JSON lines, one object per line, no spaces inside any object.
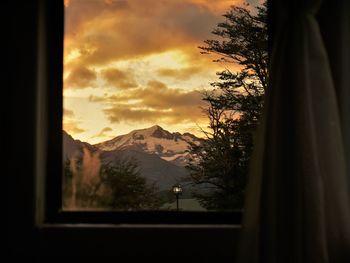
{"x":79,"y":78}
{"x":218,"y":6}
{"x":154,"y":103}
{"x":108,"y":31}
{"x":68,"y":113}
{"x":180,"y":74}
{"x":66,"y":3}
{"x":72,"y":127}
{"x":70,"y":124}
{"x":102,"y":133}
{"x":93,"y":98}
{"x":119,"y":79}
{"x":109,"y":42}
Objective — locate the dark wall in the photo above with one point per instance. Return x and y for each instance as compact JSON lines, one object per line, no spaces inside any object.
{"x":19,"y":102}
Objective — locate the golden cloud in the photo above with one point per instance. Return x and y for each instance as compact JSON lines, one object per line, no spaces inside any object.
{"x":68,"y":113}
{"x":108,"y":31}
{"x":119,"y":79}
{"x":72,"y":127}
{"x":93,"y":98}
{"x":116,"y":38}
{"x":79,"y":78}
{"x":66,"y":3}
{"x":154,"y":103}
{"x":102,"y":133}
{"x":180,"y":74}
{"x":106,"y":129}
{"x":219,"y":6}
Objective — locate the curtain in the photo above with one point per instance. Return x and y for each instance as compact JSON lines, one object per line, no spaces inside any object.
{"x":334,"y":18}
{"x":297,"y":204}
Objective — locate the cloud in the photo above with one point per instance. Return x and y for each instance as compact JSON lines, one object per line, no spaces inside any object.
{"x":70,"y":124}
{"x":72,"y":127}
{"x":102,"y":133}
{"x":154,"y":103}
{"x":119,"y":79}
{"x":66,"y":3}
{"x":121,"y":43}
{"x":105,"y":31}
{"x":218,"y":6}
{"x":80,"y":78}
{"x":180,"y":74}
{"x":106,"y":129}
{"x":68,"y":113}
{"x":93,"y":98}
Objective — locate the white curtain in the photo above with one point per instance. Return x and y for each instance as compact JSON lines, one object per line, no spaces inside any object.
{"x":297,"y":205}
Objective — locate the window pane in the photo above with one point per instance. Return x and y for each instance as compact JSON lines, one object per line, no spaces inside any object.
{"x":161,"y":100}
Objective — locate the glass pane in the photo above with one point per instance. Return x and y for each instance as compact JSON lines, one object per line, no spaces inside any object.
{"x":161,"y":101}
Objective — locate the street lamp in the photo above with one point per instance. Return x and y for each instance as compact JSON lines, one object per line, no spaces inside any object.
{"x":177,"y":190}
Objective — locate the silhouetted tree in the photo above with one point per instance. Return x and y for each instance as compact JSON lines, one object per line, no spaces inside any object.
{"x":220,"y":163}
{"x":79,"y":191}
{"x":127,"y":190}
{"x":118,"y":185}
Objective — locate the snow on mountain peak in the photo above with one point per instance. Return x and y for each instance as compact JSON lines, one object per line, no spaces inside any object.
{"x":154,"y":140}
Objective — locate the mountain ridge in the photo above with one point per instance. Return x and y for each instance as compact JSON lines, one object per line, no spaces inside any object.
{"x":160,"y":155}
{"x":169,"y":146}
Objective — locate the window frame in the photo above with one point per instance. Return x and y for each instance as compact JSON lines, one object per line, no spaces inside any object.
{"x":49,"y":231}
{"x":49,"y":144}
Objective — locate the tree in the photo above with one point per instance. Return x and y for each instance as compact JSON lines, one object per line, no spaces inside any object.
{"x":116,"y":185}
{"x":234,"y":107}
{"x":127,"y":190}
{"x":80,"y":191}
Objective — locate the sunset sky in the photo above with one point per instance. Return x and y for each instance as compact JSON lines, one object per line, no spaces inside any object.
{"x":131,"y":64}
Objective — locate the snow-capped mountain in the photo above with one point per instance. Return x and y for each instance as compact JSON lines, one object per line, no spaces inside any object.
{"x":171,"y":147}
{"x":160,"y":155}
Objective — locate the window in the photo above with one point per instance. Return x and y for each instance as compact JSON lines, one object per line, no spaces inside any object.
{"x":53,"y":206}
{"x":133,"y":70}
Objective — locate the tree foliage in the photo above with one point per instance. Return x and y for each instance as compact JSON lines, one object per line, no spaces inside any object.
{"x":127,"y":189}
{"x":118,"y":185}
{"x":233,"y":108}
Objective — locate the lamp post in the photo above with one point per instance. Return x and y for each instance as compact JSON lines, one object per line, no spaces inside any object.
{"x":177,"y":190}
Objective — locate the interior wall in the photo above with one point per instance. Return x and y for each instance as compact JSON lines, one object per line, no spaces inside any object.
{"x":19,"y":139}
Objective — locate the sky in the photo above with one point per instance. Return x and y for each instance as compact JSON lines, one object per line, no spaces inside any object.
{"x":131,"y":64}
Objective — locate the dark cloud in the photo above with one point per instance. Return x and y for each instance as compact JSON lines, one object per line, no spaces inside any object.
{"x":79,"y":78}
{"x":180,"y":74}
{"x":119,"y":79}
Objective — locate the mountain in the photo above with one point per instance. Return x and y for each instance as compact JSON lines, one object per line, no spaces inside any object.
{"x":171,"y":147}
{"x":164,"y":174}
{"x":160,"y":155}
{"x":74,"y":148}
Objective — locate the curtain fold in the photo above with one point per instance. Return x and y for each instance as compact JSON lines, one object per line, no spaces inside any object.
{"x":297,"y":205}
{"x":334,"y":19}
